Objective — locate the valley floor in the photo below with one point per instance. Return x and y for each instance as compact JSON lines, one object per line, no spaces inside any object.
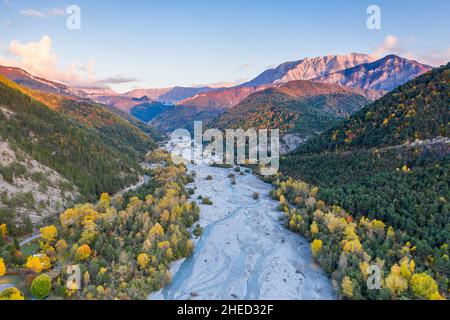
{"x":245,"y":251}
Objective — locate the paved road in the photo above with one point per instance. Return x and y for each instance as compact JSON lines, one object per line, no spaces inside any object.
{"x":28,"y":240}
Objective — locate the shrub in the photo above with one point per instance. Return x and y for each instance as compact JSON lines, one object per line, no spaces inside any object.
{"x":41,"y":286}
{"x":209,"y":177}
{"x":206,"y":201}
{"x":198,"y":231}
{"x":11,"y":294}
{"x":255,"y":195}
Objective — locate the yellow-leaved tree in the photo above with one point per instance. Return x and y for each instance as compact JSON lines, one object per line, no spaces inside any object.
{"x":395,"y":282}
{"x":143,"y":260}
{"x":83,"y":252}
{"x":11,"y":294}
{"x":105,"y":201}
{"x":49,"y":233}
{"x":61,"y":246}
{"x":347,"y":287}
{"x":2,"y":267}
{"x":156,"y":231}
{"x":316,"y":246}
{"x":314,"y":228}
{"x":3,"y":230}
{"x":38,"y":263}
{"x":424,"y":287}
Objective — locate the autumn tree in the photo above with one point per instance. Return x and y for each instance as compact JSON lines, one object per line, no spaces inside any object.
{"x":61,"y":246}
{"x":3,"y":230}
{"x":143,"y":260}
{"x":347,"y":287}
{"x":38,"y":263}
{"x":105,"y":199}
{"x":11,"y":294}
{"x":316,"y":246}
{"x":395,"y":282}
{"x":424,"y":287}
{"x":49,"y":233}
{"x":2,"y":267}
{"x":314,"y":228}
{"x":83,"y":252}
{"x":156,"y":231}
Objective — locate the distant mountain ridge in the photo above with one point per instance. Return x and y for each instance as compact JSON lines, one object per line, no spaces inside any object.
{"x":362,"y":71}
{"x":222,"y":98}
{"x":26,"y":79}
{"x":170,"y":95}
{"x":309,"y":68}
{"x":383,"y":75}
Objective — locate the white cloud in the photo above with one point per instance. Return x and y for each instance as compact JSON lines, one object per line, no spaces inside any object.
{"x":389,"y":45}
{"x":393,"y":45}
{"x":33,"y":13}
{"x":39,"y":59}
{"x":117,"y":79}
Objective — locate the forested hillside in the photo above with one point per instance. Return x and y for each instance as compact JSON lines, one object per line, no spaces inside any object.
{"x":416,"y":110}
{"x":123,"y":245}
{"x":148,"y":110}
{"x":180,"y":116}
{"x":87,"y":144}
{"x":391,"y":161}
{"x":304,"y":109}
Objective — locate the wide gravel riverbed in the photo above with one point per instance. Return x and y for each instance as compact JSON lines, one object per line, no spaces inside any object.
{"x":245,"y":252}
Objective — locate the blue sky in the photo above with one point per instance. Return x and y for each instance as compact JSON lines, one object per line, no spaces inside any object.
{"x":163,"y":43}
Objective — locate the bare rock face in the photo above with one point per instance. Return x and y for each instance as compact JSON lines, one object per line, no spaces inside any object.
{"x":361,"y":71}
{"x":383,"y":75}
{"x":309,"y":68}
{"x":21,"y":177}
{"x":290,"y":142}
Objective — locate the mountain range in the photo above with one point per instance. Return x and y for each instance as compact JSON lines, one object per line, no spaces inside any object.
{"x":368,"y":77}
{"x":309,"y":68}
{"x":382,"y":75}
{"x":371,"y":78}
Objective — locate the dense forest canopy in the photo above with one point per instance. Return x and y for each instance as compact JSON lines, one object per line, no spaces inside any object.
{"x":391,"y":161}
{"x":87,"y":144}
